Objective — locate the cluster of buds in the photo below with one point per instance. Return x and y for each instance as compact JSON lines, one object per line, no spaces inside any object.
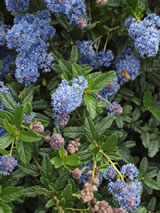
{"x":61,"y":119}
{"x":104,"y":207}
{"x":37,"y":127}
{"x":120,"y":210}
{"x":95,"y":179}
{"x":101,"y":2}
{"x":7,"y":164}
{"x":88,"y":192}
{"x":73,"y":146}
{"x":56,"y":141}
{"x":76,"y":173}
{"x":101,"y":207}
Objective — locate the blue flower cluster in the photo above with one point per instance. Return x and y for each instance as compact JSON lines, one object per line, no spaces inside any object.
{"x":145,"y":34}
{"x":86,"y":176}
{"x":88,"y":55}
{"x":7,"y":164}
{"x":114,"y":109}
{"x":17,"y":6}
{"x":28,"y":118}
{"x":74,"y":10}
{"x":67,"y":98}
{"x":3,"y":32}
{"x":127,"y":193}
{"x":127,"y":66}
{"x":29,"y":36}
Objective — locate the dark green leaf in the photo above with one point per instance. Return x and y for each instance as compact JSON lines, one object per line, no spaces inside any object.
{"x":29,"y":169}
{"x":147,"y":99}
{"x":104,"y":124}
{"x":74,"y":54}
{"x":78,"y":70}
{"x":91,"y":103}
{"x":110,"y":144}
{"x":143,"y":166}
{"x":155,"y":112}
{"x":7,"y":115}
{"x":8,"y":126}
{"x":67,"y":193}
{"x":153,"y":148}
{"x":103,"y":80}
{"x":4,"y":208}
{"x":27,"y":108}
{"x":11,"y":193}
{"x":6,"y":140}
{"x":24,"y":151}
{"x":47,"y":167}
{"x":18,"y":116}
{"x":74,"y":132}
{"x":8,"y":102}
{"x":28,"y":136}
{"x":152,"y":183}
{"x":66,"y":67}
{"x":90,"y":130}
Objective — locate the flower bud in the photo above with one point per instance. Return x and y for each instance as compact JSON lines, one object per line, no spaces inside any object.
{"x":47,"y":138}
{"x":73,"y":146}
{"x":76,"y":173}
{"x":57,"y":141}
{"x":101,"y":2}
{"x":37,"y":127}
{"x":120,"y":210}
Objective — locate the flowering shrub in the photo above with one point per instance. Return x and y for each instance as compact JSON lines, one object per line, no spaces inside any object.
{"x":79,"y":106}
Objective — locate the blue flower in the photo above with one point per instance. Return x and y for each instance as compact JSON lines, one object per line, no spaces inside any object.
{"x":28,"y":118}
{"x":110,"y":173}
{"x":7,"y":164}
{"x":114,"y":109}
{"x":29,"y":36}
{"x":129,"y":21}
{"x":74,"y":10}
{"x":17,"y":6}
{"x":127,"y":66}
{"x":88,"y":55}
{"x":130,"y":171}
{"x":67,"y":98}
{"x":7,"y":60}
{"x":3,"y":32}
{"x":80,"y":82}
{"x":145,"y":34}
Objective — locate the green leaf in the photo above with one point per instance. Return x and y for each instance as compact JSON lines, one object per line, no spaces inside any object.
{"x":6,"y":140}
{"x":3,"y":152}
{"x":4,"y":208}
{"x":104,"y":124}
{"x":103,"y":80}
{"x":66,"y":67}
{"x":57,"y":162}
{"x":29,"y":169}
{"x":74,"y":132}
{"x":90,"y":130}
{"x":152,"y":204}
{"x":72,"y":160}
{"x":8,"y":102}
{"x":0,"y":64}
{"x":143,"y":166}
{"x":50,"y":203}
{"x":152,"y":183}
{"x":47,"y":168}
{"x":155,"y":112}
{"x":62,"y":153}
{"x":78,"y":70}
{"x":147,"y":99}
{"x":145,"y":137}
{"x":91,"y":103}
{"x":110,"y":144}
{"x":153,"y":148}
{"x":27,"y":108}
{"x":27,"y":95}
{"x":28,"y":136}
{"x":24,"y":151}
{"x":74,"y":54}
{"x":8,"y":126}
{"x":11,"y":193}
{"x":18,"y":116}
{"x":7,"y":115}
{"x":67,"y":193}
{"x":141,"y":210}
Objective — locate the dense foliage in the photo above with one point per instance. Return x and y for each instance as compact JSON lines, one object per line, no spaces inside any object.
{"x":79,"y":106}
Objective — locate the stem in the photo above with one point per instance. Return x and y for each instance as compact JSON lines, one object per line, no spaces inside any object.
{"x":114,"y":28}
{"x":25,"y":127}
{"x":94,"y":167}
{"x":105,"y":45}
{"x":21,"y":93}
{"x":77,"y":196}
{"x":36,"y":162}
{"x":102,"y":98}
{"x":78,"y":210}
{"x":12,"y":148}
{"x":110,"y":161}
{"x":95,"y":40}
{"x":98,"y":45}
